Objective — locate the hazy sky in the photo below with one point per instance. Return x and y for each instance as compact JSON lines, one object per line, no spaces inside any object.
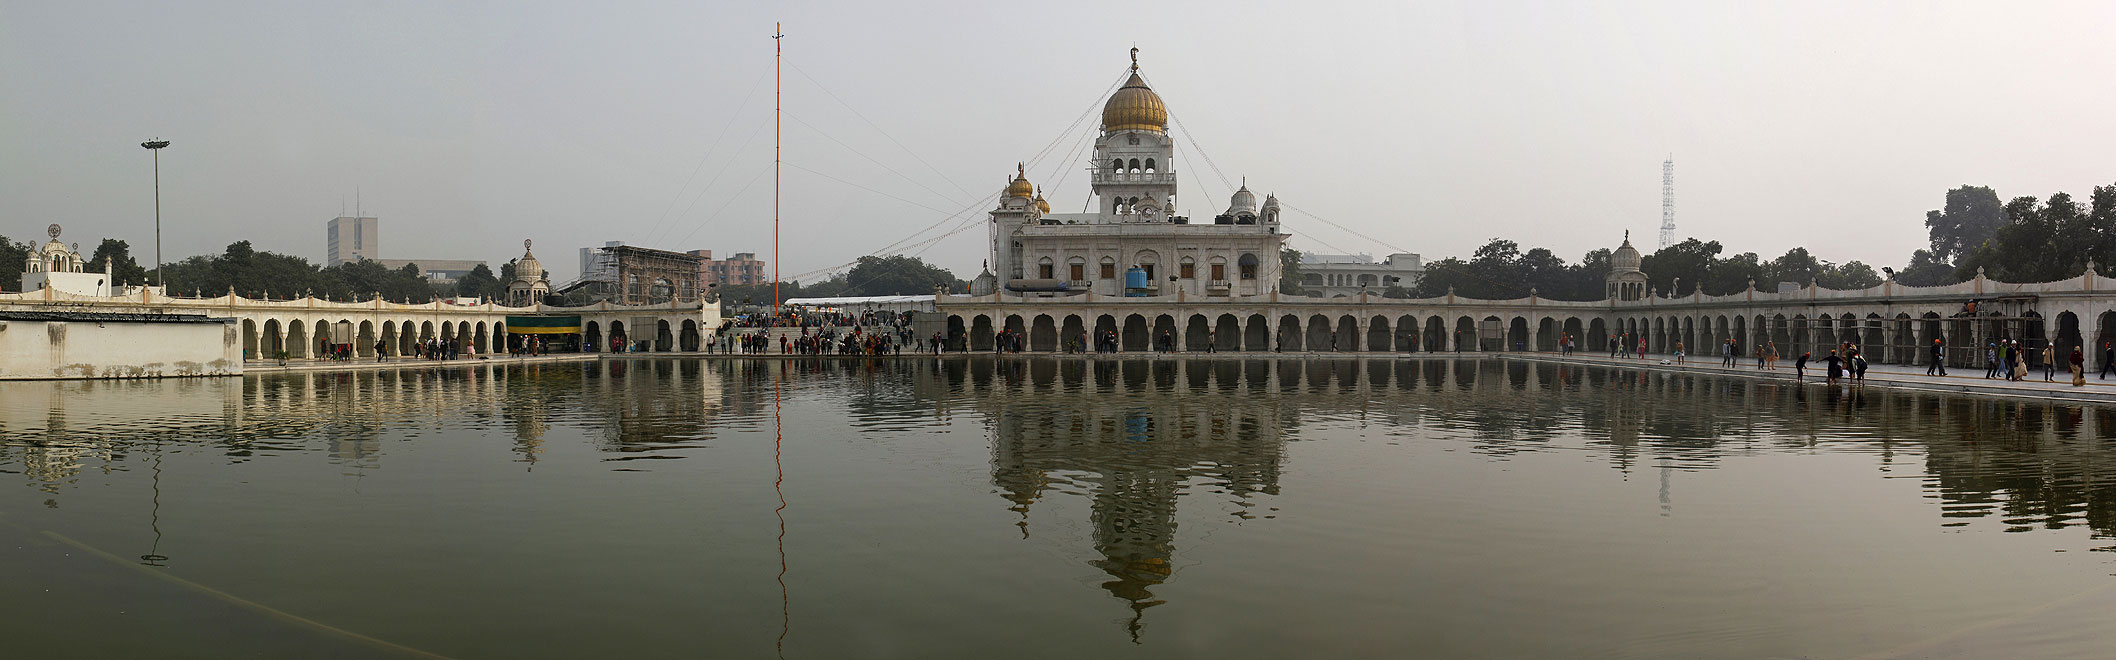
{"x":1431,"y":127}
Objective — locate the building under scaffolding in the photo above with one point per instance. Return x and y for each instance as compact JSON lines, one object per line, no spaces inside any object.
{"x":631,"y":275}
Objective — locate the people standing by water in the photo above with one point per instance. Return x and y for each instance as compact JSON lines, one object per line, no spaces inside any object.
{"x":1800,"y":367}
{"x":1858,"y":368}
{"x":2079,"y":369}
{"x":1938,"y":367}
{"x":1836,"y":366}
{"x":2108,"y":359}
{"x":1726,"y":353}
{"x":1678,"y":352}
{"x":1990,"y":360}
{"x":1770,"y":356}
{"x":2049,"y":364}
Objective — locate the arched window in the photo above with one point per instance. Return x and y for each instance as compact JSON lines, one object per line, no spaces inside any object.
{"x":1248,"y":266}
{"x":1134,"y":166}
{"x":1187,"y":268}
{"x":1076,"y":269}
{"x":1109,"y":268}
{"x":1044,"y":269}
{"x":1116,"y":165}
{"x":1310,"y":279}
{"x":1149,"y":166}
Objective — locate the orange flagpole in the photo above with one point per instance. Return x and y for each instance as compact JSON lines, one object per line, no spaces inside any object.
{"x":777,"y":85}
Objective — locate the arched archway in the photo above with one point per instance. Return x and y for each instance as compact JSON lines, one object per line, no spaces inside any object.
{"x":591,"y":334}
{"x":1597,"y":335}
{"x":1135,"y":333}
{"x":1197,"y":334}
{"x":1319,"y":334}
{"x":1407,"y":334}
{"x":1289,"y":334}
{"x":1516,"y":335}
{"x":1227,"y":333}
{"x":1378,"y":337}
{"x":1074,"y":333}
{"x":364,"y":342}
{"x":1106,"y":335}
{"x":1043,"y":334}
{"x":1164,"y":332}
{"x":297,"y":344}
{"x":1256,"y":335}
{"x":1347,"y":337}
{"x":981,"y":333}
{"x":689,"y":340}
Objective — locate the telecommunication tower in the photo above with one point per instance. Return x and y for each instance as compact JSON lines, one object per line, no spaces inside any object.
{"x":1667,"y":201}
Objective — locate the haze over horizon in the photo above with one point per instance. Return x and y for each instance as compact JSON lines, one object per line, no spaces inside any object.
{"x":1433,"y":127}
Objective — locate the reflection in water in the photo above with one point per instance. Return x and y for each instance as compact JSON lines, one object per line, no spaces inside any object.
{"x":1139,"y":451}
{"x":1132,"y":440}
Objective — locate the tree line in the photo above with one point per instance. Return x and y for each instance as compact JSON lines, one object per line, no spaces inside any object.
{"x":2023,"y":240}
{"x":897,"y":275}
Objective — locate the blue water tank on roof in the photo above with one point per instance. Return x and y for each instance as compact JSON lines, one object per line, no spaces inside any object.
{"x":1135,"y":281}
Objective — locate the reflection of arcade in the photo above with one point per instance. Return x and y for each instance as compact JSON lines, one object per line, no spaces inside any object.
{"x":1140,"y":452}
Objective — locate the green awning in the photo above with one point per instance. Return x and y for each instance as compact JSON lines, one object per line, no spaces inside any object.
{"x":543,"y":325}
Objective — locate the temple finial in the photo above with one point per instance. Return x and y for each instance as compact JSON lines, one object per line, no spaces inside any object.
{"x":1021,"y":169}
{"x":1135,"y":57}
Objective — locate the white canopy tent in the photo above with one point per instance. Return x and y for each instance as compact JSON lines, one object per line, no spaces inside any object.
{"x":865,"y":303}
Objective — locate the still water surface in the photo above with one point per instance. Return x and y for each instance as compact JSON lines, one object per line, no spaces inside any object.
{"x":1046,"y":508}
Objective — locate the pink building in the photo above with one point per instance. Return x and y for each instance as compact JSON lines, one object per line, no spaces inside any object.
{"x":744,"y":268}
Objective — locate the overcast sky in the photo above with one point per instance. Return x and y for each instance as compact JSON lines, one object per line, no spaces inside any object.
{"x":1430,"y":127}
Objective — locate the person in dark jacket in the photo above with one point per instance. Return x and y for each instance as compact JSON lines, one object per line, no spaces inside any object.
{"x":1937,"y":368}
{"x":1836,"y":367}
{"x":1800,"y":367}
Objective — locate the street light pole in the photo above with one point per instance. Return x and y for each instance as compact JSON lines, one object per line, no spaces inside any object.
{"x":156,"y":147}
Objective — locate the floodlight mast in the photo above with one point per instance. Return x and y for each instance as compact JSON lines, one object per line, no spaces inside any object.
{"x":155,"y":146}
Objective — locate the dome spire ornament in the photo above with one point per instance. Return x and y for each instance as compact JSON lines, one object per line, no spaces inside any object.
{"x":1135,"y":107}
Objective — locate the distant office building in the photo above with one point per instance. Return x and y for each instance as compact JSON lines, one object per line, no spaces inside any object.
{"x":1334,"y":275}
{"x":440,"y":271}
{"x":349,"y":239}
{"x":744,"y":268}
{"x":352,"y":239}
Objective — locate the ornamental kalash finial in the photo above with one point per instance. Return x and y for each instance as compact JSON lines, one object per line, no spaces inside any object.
{"x":53,"y":231}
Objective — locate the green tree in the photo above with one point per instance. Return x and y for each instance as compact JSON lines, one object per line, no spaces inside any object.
{"x":1691,"y":261}
{"x":1926,"y":269}
{"x":481,"y":283}
{"x":14,"y":258}
{"x":1289,"y":271}
{"x":1973,"y":214}
{"x":124,"y":269}
{"x":1852,"y":275}
{"x":898,"y":275}
{"x":1796,"y":266}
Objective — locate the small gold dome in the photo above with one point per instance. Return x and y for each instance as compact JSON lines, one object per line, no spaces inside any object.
{"x":1135,"y":107}
{"x":1042,"y":206}
{"x":1021,"y":187}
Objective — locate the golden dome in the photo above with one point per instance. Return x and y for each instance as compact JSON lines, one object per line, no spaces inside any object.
{"x":1021,"y":187}
{"x":1042,"y":206}
{"x":1135,"y":107}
